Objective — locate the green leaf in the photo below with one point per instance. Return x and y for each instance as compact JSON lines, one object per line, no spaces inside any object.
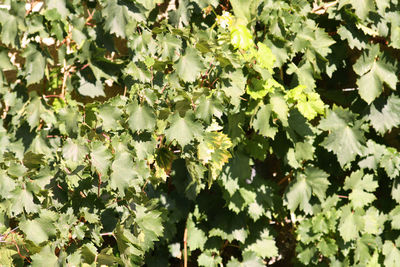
{"x":189,"y":65}
{"x":141,"y":117}
{"x":92,"y":90}
{"x":9,"y":29}
{"x":265,"y":57}
{"x":196,"y":238}
{"x":38,"y":230}
{"x":110,"y":115}
{"x":392,"y":254}
{"x":262,"y":122}
{"x":208,"y":259}
{"x":361,"y":185}
{"x":241,"y":37}
{"x":363,"y":7}
{"x":350,"y":224}
{"x":280,"y":107}
{"x":374,"y":221}
{"x":100,"y":157}
{"x":387,"y":117}
{"x":33,"y":111}
{"x":183,"y":130}
{"x":264,"y":247}
{"x":169,"y":44}
{"x":374,"y":73}
{"x":313,"y":180}
{"x":45,"y":257}
{"x":74,"y":152}
{"x":234,"y":85}
{"x":22,"y":199}
{"x":34,"y":65}
{"x":213,"y":151}
{"x":345,"y":140}
{"x":123,"y":172}
{"x":395,"y":217}
{"x":115,"y":18}
{"x":249,"y":259}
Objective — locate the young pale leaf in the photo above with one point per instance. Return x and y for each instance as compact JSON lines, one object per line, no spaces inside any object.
{"x":249,"y":259}
{"x":395,"y":216}
{"x":374,"y":221}
{"x":265,"y":57}
{"x":74,"y":152}
{"x":241,"y":37}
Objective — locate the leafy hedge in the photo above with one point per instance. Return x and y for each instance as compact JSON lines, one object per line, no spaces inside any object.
{"x":201,"y":132}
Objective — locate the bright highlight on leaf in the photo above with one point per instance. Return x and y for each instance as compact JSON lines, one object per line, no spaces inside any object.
{"x":213,"y":152}
{"x":241,"y":38}
{"x":308,"y":103}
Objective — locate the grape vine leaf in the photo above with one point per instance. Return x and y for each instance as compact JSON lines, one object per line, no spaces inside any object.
{"x":392,"y":254}
{"x":344,"y":140}
{"x":38,"y":230}
{"x":350,"y":223}
{"x":123,"y":172}
{"x":87,"y":88}
{"x":312,"y":181}
{"x":395,"y":217}
{"x":115,"y":18}
{"x":110,"y":115}
{"x":387,"y":117}
{"x":249,"y":259}
{"x":264,"y":247}
{"x":196,"y":238}
{"x":45,"y":257}
{"x":374,"y":72}
{"x":35,"y":64}
{"x":100,"y":157}
{"x":361,"y":186}
{"x":262,"y":122}
{"x":141,"y":117}
{"x":183,"y":130}
{"x":189,"y":65}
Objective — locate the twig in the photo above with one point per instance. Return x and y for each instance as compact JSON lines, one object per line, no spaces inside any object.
{"x":323,"y":8}
{"x":185,"y":248}
{"x":98,"y":188}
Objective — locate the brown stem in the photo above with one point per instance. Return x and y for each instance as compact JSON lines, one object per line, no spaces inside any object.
{"x":185,"y":248}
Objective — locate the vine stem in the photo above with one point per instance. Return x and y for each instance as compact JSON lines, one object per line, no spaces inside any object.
{"x":185,"y":248}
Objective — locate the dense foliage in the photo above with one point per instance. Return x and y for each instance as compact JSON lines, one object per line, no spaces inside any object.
{"x":201,"y":132}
